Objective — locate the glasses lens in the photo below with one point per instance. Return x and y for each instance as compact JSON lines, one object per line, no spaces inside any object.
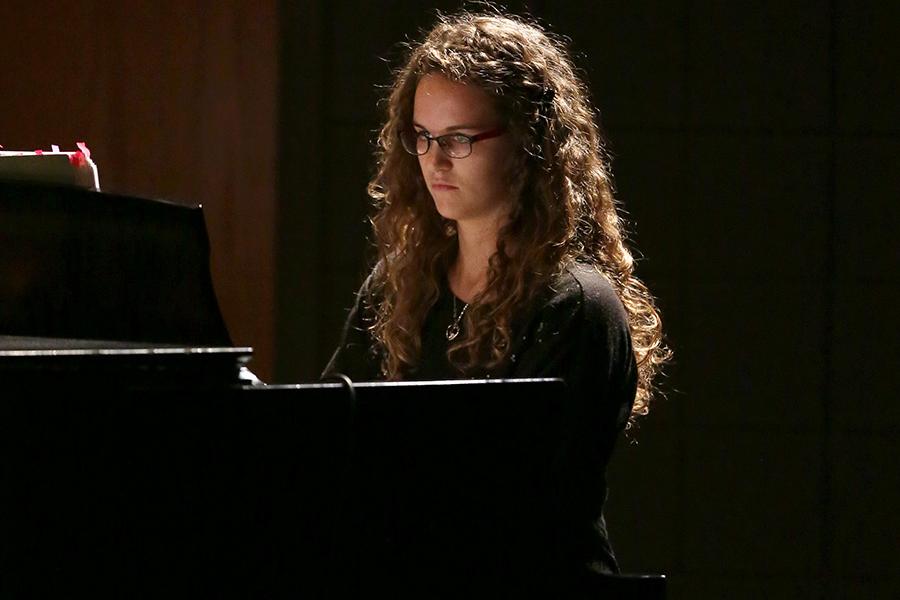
{"x":414,"y":142}
{"x":456,"y":146}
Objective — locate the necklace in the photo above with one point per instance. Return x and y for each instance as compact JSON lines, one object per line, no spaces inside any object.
{"x":453,"y":328}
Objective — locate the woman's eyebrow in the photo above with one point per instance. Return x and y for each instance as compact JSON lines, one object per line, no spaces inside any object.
{"x":451,"y":128}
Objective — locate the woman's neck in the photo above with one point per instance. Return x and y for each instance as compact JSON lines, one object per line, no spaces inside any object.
{"x":468,"y":273}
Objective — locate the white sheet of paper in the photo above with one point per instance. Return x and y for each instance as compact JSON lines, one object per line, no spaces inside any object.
{"x":48,"y":167}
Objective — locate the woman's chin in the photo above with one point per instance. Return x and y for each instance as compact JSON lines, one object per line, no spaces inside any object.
{"x":448,"y":210}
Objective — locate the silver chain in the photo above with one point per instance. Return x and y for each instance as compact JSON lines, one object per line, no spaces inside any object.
{"x":453,"y":328}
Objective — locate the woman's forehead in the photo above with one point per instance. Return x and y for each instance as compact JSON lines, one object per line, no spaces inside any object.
{"x":444,"y":104}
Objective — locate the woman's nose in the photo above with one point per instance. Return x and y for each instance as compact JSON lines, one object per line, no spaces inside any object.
{"x":439,"y":157}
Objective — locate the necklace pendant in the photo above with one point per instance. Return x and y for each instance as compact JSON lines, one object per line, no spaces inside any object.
{"x":453,"y":328}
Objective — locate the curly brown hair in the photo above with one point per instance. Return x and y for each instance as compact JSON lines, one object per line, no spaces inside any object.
{"x":566,"y":210}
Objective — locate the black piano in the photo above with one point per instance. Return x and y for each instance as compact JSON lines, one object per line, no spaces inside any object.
{"x":136,"y":461}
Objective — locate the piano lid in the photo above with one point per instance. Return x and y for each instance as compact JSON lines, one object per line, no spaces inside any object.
{"x":89,"y":265}
{"x":39,"y":364}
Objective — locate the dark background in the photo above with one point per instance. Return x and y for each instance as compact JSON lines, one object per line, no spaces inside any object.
{"x":754,"y":149}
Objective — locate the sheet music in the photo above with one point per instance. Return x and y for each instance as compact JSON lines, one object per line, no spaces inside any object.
{"x":65,"y":168}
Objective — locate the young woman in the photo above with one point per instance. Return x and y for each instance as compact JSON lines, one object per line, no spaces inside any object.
{"x":500,"y":250}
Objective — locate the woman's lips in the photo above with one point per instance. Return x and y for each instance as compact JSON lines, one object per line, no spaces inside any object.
{"x":443,"y":186}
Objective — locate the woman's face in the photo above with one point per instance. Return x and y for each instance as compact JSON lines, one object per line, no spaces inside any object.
{"x":471,"y":189}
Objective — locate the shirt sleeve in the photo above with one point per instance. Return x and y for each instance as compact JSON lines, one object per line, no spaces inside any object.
{"x":582,"y":336}
{"x":355,"y":355}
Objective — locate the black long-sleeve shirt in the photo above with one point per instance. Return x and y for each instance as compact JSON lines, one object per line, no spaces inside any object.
{"x":578,"y":331}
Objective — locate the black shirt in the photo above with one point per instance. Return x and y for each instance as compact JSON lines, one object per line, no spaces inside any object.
{"x":577,"y":330}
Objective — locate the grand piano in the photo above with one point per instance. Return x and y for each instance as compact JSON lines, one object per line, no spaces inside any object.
{"x":136,"y":461}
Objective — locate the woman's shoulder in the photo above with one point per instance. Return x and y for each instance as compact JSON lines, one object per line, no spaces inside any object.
{"x":370,"y":286}
{"x":584,"y":288}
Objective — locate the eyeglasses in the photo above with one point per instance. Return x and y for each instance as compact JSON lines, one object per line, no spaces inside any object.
{"x":454,"y":145}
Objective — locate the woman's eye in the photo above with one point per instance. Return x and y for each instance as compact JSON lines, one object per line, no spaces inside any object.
{"x":460,"y":139}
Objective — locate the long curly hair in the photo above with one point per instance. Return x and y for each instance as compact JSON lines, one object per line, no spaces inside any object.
{"x":566,"y":211}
